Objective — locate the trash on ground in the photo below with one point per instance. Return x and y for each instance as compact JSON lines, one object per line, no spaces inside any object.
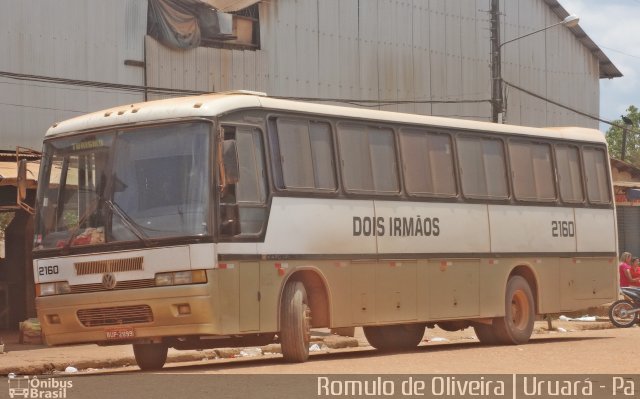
{"x":250,"y":352}
{"x":582,"y":318}
{"x":70,"y":369}
{"x":560,"y":329}
{"x":314,"y":348}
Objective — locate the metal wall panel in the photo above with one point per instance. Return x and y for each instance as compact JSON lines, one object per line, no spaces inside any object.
{"x":306,"y":36}
{"x":65,"y":39}
{"x":553,"y":64}
{"x":328,"y":49}
{"x":380,"y":50}
{"x":453,"y":58}
{"x":348,"y":45}
{"x":204,"y":69}
{"x":403,"y":55}
{"x":387,"y":54}
{"x":438,"y":51}
{"x":421,"y":56}
{"x":368,"y":51}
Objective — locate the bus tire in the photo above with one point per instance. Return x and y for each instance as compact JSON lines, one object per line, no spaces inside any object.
{"x":516,"y":326}
{"x":394,"y":338}
{"x":486,"y":334}
{"x":150,"y":356}
{"x":295,"y":323}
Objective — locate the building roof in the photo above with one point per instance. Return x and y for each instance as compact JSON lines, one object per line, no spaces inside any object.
{"x":607,"y":69}
{"x":622,"y":166}
{"x":9,"y":174}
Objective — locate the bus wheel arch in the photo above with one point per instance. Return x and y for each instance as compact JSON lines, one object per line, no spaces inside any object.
{"x":303,"y":294}
{"x":317,"y":294}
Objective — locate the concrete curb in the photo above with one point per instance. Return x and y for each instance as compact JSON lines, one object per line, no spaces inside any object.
{"x":328,"y":342}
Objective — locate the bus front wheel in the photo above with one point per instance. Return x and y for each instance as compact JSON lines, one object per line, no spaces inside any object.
{"x":150,"y":356}
{"x":516,"y":326}
{"x":295,"y":323}
{"x":394,"y":338}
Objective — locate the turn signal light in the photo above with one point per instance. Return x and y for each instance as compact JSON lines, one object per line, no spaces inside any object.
{"x":57,"y":288}
{"x":181,"y":278}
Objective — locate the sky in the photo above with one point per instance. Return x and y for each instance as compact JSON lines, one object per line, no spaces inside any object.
{"x":614,"y":25}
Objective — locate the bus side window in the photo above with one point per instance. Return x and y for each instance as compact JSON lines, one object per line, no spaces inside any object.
{"x":595,"y":171}
{"x":368,"y":159}
{"x":427,"y":161}
{"x":532,"y":171}
{"x":482,"y":167}
{"x":569,"y":173}
{"x":247,"y":199}
{"x":305,"y":155}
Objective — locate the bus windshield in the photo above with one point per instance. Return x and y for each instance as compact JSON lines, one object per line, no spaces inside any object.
{"x":130,"y":185}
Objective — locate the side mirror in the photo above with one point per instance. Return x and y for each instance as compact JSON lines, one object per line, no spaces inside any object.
{"x":22,"y":183}
{"x":231,"y":167}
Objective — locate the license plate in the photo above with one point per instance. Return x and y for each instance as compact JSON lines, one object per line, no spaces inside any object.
{"x":120,"y":333}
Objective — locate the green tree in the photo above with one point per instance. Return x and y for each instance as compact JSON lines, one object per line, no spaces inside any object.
{"x":614,"y":138}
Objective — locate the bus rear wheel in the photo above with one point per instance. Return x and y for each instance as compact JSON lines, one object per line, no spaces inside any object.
{"x":516,"y":326}
{"x":295,"y":323}
{"x":485,"y":333}
{"x":394,"y":338}
{"x":150,"y":356}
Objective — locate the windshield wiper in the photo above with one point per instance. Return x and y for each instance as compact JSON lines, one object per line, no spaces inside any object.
{"x":130,"y":223}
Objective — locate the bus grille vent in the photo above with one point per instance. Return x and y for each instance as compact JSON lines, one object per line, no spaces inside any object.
{"x":108,"y":266}
{"x":115,"y":316}
{"x":120,"y":285}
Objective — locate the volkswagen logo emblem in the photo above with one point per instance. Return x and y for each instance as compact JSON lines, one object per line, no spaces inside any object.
{"x":109,"y":281}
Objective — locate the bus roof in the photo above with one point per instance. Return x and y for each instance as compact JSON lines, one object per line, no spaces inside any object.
{"x":222,"y":103}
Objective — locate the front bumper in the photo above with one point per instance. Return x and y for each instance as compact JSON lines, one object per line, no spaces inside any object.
{"x":163,"y":302}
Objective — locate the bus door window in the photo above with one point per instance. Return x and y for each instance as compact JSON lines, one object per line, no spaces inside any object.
{"x":244,"y":205}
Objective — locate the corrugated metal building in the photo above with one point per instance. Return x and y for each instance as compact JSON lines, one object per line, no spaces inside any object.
{"x":404,"y":54}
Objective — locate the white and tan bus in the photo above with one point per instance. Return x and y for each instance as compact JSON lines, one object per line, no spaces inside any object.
{"x":229,"y":219}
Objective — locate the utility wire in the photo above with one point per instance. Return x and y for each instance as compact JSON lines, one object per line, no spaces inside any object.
{"x":44,"y":108}
{"x":569,"y":108}
{"x":357,"y":102}
{"x":168,"y":91}
{"x":621,"y":52}
{"x":104,"y":85}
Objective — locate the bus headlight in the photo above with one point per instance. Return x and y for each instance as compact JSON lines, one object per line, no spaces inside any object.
{"x":57,"y":288}
{"x":180,"y":278}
